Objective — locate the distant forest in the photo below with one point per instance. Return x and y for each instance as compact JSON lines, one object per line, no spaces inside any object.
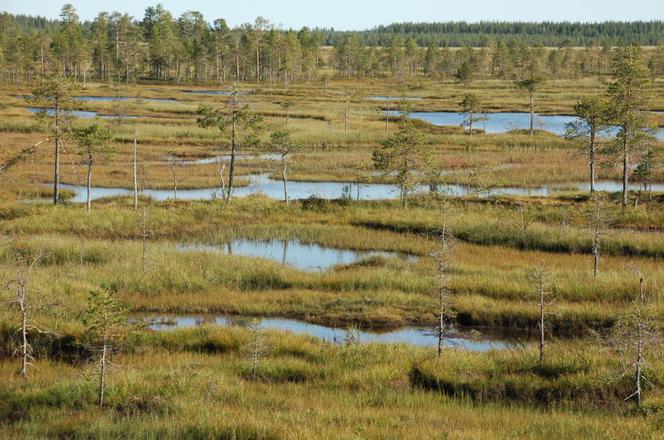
{"x":194,"y":48}
{"x":460,"y":34}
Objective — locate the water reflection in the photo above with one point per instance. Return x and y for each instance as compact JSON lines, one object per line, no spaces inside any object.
{"x":503,"y":122}
{"x":84,"y":114}
{"x":416,"y":336}
{"x":227,"y":158}
{"x":124,"y":98}
{"x":304,"y":256}
{"x":263,"y":184}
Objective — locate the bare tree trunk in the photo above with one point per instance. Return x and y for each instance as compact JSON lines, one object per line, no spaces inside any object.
{"x":56,"y":172}
{"x":387,"y":117}
{"x":221,"y":170}
{"x":144,"y":239}
{"x":102,"y":372}
{"x":134,"y":171}
{"x":25,"y":347}
{"x":639,"y":363}
{"x":126,"y":61}
{"x":258,"y":63}
{"x":591,"y":160}
{"x":596,"y":250}
{"x":542,"y":304}
{"x":470,"y":124}
{"x":442,"y":278}
{"x":89,"y":183}
{"x":232,"y":167}
{"x":441,"y":304}
{"x":117,"y":52}
{"x":175,"y":180}
{"x":625,"y":182}
{"x":284,"y":177}
{"x":532,"y":113}
{"x":223,"y":67}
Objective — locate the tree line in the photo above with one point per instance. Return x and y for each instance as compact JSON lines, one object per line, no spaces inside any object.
{"x":158,"y":46}
{"x":116,"y":46}
{"x":499,"y":59}
{"x":552,"y":34}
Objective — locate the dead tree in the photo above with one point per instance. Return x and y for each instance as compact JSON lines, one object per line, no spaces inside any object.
{"x":634,"y":336}
{"x":598,"y":222}
{"x":24,"y":267}
{"x":257,"y":347}
{"x":220,"y":169}
{"x":443,"y":256}
{"x":525,"y":220}
{"x":539,"y":276}
{"x":134,"y":166}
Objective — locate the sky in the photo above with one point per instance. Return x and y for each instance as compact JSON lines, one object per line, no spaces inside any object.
{"x":364,"y":14}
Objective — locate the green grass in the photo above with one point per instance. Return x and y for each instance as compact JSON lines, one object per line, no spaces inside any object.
{"x":199,"y":383}
{"x":570,"y":376}
{"x":177,"y":388}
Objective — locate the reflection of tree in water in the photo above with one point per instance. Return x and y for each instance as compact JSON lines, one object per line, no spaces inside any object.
{"x":239,"y":321}
{"x":283,"y":256}
{"x":205,"y":320}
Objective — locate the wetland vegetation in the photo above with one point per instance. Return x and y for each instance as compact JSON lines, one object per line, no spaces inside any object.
{"x":343,"y":236}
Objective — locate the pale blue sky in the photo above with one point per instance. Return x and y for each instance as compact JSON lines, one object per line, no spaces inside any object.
{"x":361,"y":14}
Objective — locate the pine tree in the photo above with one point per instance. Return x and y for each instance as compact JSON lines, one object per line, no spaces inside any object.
{"x":235,"y":117}
{"x":627,"y":94}
{"x":92,"y":140}
{"x":56,"y":96}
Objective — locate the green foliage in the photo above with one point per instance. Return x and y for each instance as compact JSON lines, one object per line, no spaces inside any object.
{"x":593,"y":116}
{"x":464,"y":73}
{"x":105,"y":318}
{"x":282,"y":142}
{"x":56,"y":93}
{"x":534,"y":77}
{"x":645,"y":168}
{"x":470,"y":106}
{"x":405,"y":154}
{"x":92,"y":138}
{"x":235,"y":117}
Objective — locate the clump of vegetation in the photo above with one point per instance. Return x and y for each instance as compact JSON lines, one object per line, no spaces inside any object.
{"x":92,"y":341}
